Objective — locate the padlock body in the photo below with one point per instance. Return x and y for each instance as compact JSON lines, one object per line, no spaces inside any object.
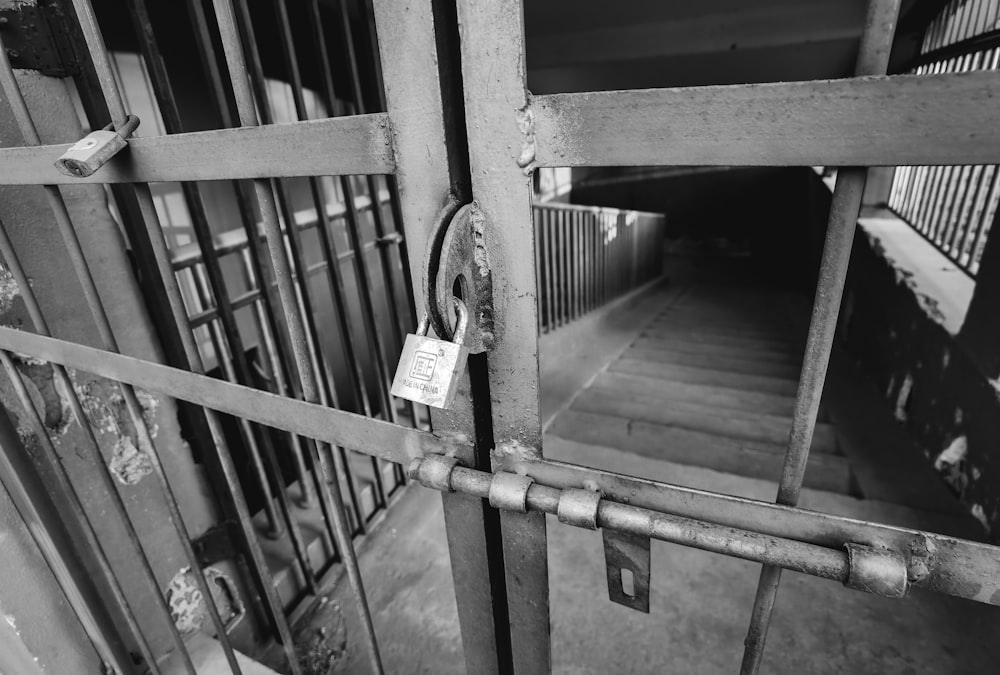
{"x":90,"y":153}
{"x":429,"y":370}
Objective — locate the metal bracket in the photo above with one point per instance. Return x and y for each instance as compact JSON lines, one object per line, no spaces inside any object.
{"x":457,"y":253}
{"x":38,"y":37}
{"x":626,"y":557}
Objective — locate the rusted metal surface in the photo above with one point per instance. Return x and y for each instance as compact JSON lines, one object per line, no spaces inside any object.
{"x":877,"y":571}
{"x":873,"y":58}
{"x":336,"y":146}
{"x":938,"y":562}
{"x":783,"y":124}
{"x":873,"y":571}
{"x":465,"y":259}
{"x":627,"y":552}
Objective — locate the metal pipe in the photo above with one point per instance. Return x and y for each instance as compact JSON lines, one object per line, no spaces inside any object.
{"x":330,"y":492}
{"x":873,"y":56}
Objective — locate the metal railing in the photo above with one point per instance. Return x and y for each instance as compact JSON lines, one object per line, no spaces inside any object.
{"x":953,"y":206}
{"x":588,"y":255}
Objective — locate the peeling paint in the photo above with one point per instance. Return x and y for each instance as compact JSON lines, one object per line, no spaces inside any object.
{"x":128,"y":463}
{"x":9,"y":290}
{"x":187,"y":606}
{"x":526,"y":123}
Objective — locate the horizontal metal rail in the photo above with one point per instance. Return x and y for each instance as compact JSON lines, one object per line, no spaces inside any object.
{"x":949,"y":565}
{"x":882,"y":571}
{"x":393,"y":442}
{"x":868,"y":121}
{"x":358,"y":144}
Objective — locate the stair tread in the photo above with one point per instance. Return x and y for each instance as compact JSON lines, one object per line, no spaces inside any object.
{"x":686,"y":349}
{"x":752,"y":427}
{"x":825,"y":472}
{"x":714,"y":362}
{"x":675,"y":372}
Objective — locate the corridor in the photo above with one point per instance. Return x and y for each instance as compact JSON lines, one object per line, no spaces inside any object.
{"x":692,"y":382}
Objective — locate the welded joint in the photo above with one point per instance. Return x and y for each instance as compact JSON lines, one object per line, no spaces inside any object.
{"x":509,"y":491}
{"x":94,"y":150}
{"x":876,"y":570}
{"x":433,"y":471}
{"x":508,"y":455}
{"x":526,"y":123}
{"x":579,"y":508}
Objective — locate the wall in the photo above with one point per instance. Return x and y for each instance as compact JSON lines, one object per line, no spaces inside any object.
{"x":904,"y":307}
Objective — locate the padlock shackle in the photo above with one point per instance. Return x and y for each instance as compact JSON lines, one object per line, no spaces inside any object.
{"x":462,"y":313}
{"x":461,"y":325}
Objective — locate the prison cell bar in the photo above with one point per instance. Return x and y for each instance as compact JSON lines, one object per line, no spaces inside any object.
{"x":873,"y":59}
{"x":371,"y":182}
{"x":213,"y":289}
{"x":58,"y":206}
{"x":330,"y":493}
{"x":327,"y":389}
{"x":115,"y":103}
{"x":351,"y":221}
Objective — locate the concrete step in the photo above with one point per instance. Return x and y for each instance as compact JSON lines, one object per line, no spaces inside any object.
{"x":697,"y":448}
{"x":707,"y":376}
{"x":681,"y":344}
{"x":751,"y":427}
{"x":731,"y":363}
{"x":701,"y":336}
{"x":708,"y":396}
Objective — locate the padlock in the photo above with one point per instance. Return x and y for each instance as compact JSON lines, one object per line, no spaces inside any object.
{"x":429,"y":368}
{"x":93,"y":151}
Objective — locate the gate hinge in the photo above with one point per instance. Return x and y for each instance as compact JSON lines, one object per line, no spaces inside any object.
{"x":40,"y":36}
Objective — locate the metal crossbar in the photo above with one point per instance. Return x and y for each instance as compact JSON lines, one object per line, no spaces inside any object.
{"x":948,"y":565}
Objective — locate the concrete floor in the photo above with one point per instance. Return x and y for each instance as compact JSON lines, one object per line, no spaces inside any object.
{"x":700,"y":602}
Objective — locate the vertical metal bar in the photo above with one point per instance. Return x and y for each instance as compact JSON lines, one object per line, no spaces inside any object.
{"x":537,"y":215}
{"x":236,"y":370}
{"x":416,"y":42}
{"x":95,"y":46}
{"x":50,"y":535}
{"x":550,"y":267}
{"x":298,"y":543}
{"x":873,"y":56}
{"x":385,"y":263}
{"x":330,"y":493}
{"x":577,"y":264}
{"x":494,"y":85}
{"x":326,"y":236}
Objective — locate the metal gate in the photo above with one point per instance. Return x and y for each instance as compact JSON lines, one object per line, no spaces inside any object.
{"x":460,"y":127}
